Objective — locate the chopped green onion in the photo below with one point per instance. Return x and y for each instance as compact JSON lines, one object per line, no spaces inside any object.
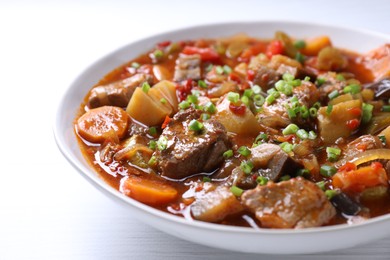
{"x":227,"y":69}
{"x":287,"y":147}
{"x":248,"y":93}
{"x":145,"y":87}
{"x":258,"y":100}
{"x":152,"y":130}
{"x":163,"y":101}
{"x":236,"y":191}
{"x":303,"y":172}
{"x":353,"y":89}
{"x":256,"y":89}
{"x":313,"y":112}
{"x":285,"y":178}
{"x":206,"y":179}
{"x":184,"y":104}
{"x":304,"y":112}
{"x":290,"y":129}
{"x":162,"y":143}
{"x":202,"y":84}
{"x":291,"y":113}
{"x":158,"y":54}
{"x":317,"y":105}
{"x":367,"y":112}
{"x":233,"y":97}
{"x":135,"y":65}
{"x":300,"y":57}
{"x":193,"y":99}
{"x":261,"y":137}
{"x":288,"y":77}
{"x":333,"y":94}
{"x":333,"y":153}
{"x":246,"y":167}
{"x":386,"y":108}
{"x":330,"y":194}
{"x":270,"y":99}
{"x":210,"y":107}
{"x":321,"y":185}
{"x":382,"y":138}
{"x":329,"y":109}
{"x":152,"y":161}
{"x":228,"y":154}
{"x":205,"y":116}
{"x":320,"y":81}
{"x":302,"y":134}
{"x":300,"y":44}
{"x":244,"y":151}
{"x":307,"y":78}
{"x":219,"y":70}
{"x":245,"y":100}
{"x":327,"y":170}
{"x":195,"y":125}
{"x":209,"y":67}
{"x":340,"y":77}
{"x":312,"y":135}
{"x":261,"y":180}
{"x":152,"y":144}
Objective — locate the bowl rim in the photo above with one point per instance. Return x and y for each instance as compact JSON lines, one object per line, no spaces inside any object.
{"x":100,"y":184}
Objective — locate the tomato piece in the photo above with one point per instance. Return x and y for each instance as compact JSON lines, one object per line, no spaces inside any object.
{"x":238,"y":110}
{"x":250,"y":74}
{"x":353,"y":124}
{"x":206,"y":54}
{"x":164,"y":44}
{"x":275,"y":47}
{"x":166,"y":122}
{"x":350,"y":179}
{"x":253,"y":50}
{"x":356,"y":111}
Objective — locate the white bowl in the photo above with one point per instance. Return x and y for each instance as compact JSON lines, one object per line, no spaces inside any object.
{"x":268,"y":241}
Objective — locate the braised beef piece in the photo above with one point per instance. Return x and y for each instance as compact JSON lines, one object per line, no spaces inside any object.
{"x":187,"y":67}
{"x":117,"y":93}
{"x":266,"y":77}
{"x":189,"y":152}
{"x":296,"y":203}
{"x":269,"y":161}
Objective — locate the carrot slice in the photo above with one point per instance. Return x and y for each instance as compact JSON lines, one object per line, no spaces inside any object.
{"x":150,"y":192}
{"x":102,"y":123}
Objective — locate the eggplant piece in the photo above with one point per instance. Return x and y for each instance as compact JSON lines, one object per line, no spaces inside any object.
{"x":381,"y":88}
{"x":345,"y":204}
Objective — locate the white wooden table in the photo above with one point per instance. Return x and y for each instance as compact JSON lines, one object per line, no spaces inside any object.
{"x":47,"y":211}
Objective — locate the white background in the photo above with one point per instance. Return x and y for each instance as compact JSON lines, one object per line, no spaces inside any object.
{"x":47,"y":211}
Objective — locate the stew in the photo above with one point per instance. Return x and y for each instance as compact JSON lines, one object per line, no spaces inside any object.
{"x":279,"y":133}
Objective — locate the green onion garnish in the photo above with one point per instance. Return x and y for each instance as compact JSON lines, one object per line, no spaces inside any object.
{"x":233,"y":97}
{"x":184,"y":104}
{"x":261,"y":180}
{"x":145,"y":87}
{"x":152,"y":130}
{"x":300,"y":44}
{"x":367,"y":112}
{"x":202,"y":84}
{"x":246,"y":167}
{"x":236,"y":191}
{"x":163,"y":101}
{"x":248,"y":93}
{"x":205,"y":116}
{"x":333,"y":94}
{"x":256,"y":89}
{"x":320,"y":81}
{"x":382,"y":138}
{"x":158,"y":54}
{"x":285,"y":178}
{"x":329,"y":109}
{"x":302,"y":134}
{"x":210,"y":107}
{"x":290,"y":129}
{"x":312,"y":135}
{"x":330,"y":194}
{"x":152,"y":161}
{"x":386,"y":108}
{"x":321,"y":185}
{"x":258,"y":100}
{"x":327,"y":170}
{"x":206,"y":179}
{"x":244,"y":151}
{"x":152,"y":144}
{"x":227,"y":69}
{"x":287,"y":147}
{"x":135,"y":65}
{"x":195,"y":125}
{"x":162,"y":143}
{"x":313,"y":112}
{"x":228,"y":154}
{"x":219,"y":70}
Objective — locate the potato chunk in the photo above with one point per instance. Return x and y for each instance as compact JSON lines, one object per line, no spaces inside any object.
{"x":216,"y":205}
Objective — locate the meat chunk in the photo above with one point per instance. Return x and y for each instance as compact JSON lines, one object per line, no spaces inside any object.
{"x":117,"y":93}
{"x":187,"y":67}
{"x":190,"y":152}
{"x":215,"y":205}
{"x":296,"y":203}
{"x":270,"y":161}
{"x":266,"y":77}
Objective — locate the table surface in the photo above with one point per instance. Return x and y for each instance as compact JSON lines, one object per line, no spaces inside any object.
{"x":47,"y":211}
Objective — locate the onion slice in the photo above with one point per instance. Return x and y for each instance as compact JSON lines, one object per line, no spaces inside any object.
{"x":367,"y":156}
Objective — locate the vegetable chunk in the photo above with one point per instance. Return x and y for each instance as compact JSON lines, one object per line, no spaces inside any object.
{"x":100,"y":124}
